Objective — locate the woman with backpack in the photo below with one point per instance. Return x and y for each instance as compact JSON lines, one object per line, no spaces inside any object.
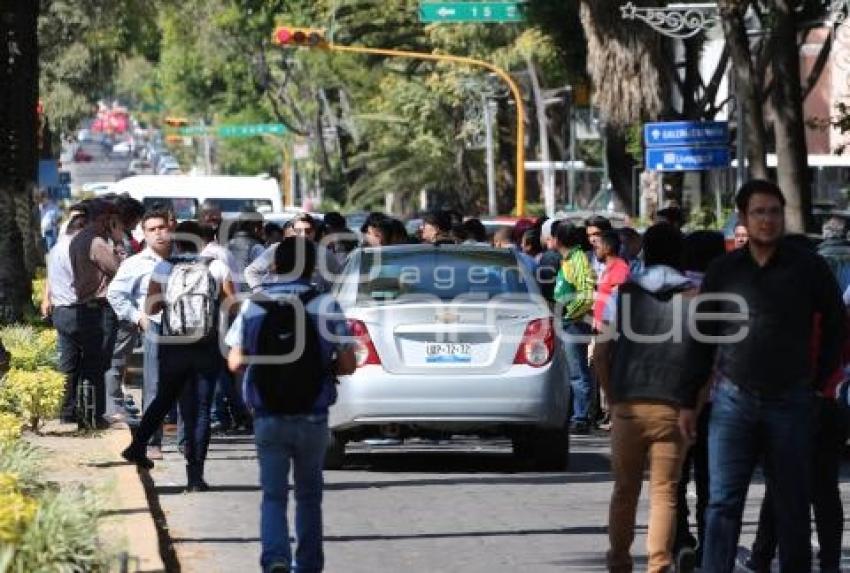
{"x":188,"y":290}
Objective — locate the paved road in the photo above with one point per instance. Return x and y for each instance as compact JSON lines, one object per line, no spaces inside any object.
{"x":440,"y":507}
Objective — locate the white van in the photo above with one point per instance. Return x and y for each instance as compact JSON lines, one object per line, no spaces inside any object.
{"x":186,"y":193}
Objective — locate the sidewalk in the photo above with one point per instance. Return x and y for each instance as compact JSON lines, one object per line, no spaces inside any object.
{"x":94,"y":461}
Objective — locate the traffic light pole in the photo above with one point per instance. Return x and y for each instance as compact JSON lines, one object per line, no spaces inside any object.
{"x":517,"y":94}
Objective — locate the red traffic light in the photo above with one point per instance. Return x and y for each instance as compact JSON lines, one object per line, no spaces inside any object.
{"x":282,"y":36}
{"x":303,"y":37}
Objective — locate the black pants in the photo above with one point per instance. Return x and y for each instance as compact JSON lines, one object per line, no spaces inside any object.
{"x":86,"y":335}
{"x":830,"y":436}
{"x":696,"y":461}
{"x":187,"y":374}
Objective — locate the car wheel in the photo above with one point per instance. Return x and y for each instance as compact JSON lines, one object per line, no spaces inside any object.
{"x":335,"y":454}
{"x":550,"y":450}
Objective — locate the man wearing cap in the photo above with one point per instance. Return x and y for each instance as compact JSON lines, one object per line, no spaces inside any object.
{"x":94,"y":262}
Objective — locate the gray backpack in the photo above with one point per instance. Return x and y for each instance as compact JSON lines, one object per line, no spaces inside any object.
{"x":190,"y":299}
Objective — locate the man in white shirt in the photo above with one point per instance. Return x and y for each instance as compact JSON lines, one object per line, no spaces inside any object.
{"x":59,"y":303}
{"x":188,"y":369}
{"x":126,"y":295}
{"x":327,"y":268}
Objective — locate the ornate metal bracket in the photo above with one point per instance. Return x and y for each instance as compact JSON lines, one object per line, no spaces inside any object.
{"x":681,"y":22}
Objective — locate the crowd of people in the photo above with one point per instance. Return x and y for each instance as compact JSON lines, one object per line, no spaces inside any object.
{"x":700,"y":362}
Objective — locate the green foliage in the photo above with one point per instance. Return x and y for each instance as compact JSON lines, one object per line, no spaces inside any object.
{"x":35,"y":396}
{"x":23,"y":460}
{"x":31,"y":348}
{"x":79,"y":46}
{"x":62,"y":536}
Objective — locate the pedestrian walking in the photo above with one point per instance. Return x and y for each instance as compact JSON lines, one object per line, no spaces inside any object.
{"x":574,"y":294}
{"x":645,"y":392}
{"x":127,"y":294}
{"x":49,"y":216}
{"x":763,"y":402}
{"x":290,"y":398}
{"x":828,"y":443}
{"x":187,"y":289}
{"x":324,"y":274}
{"x":701,"y":249}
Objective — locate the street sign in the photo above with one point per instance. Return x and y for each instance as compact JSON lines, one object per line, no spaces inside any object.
{"x":470,"y":12}
{"x":250,"y":130}
{"x":687,"y":158}
{"x":193,"y":130}
{"x":690,"y":133}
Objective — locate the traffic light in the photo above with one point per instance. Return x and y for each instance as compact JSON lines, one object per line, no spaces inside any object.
{"x":176,"y":121}
{"x":300,"y":37}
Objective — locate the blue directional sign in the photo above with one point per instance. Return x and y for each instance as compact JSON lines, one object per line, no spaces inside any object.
{"x":690,"y":133}
{"x":686,"y":158}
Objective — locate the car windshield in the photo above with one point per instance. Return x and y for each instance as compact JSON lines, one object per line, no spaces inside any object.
{"x":446,"y":274}
{"x":184,"y":207}
{"x":244,"y":205}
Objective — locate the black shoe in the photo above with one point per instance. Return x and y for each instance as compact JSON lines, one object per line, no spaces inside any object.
{"x":580,"y":428}
{"x":278,"y":568}
{"x":198,"y":487}
{"x":137,"y":456}
{"x":218,"y":427}
{"x":686,"y":560}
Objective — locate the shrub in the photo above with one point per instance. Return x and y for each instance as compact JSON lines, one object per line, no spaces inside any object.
{"x":38,"y":286}
{"x":35,"y":396}
{"x":62,"y":536}
{"x":30,"y":348}
{"x":16,"y":509}
{"x":10,"y":427}
{"x":23,"y":460}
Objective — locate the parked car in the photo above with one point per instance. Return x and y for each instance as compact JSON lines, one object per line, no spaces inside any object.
{"x":450,"y":340}
{"x":83,"y":156}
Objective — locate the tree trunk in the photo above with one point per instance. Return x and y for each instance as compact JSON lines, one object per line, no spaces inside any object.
{"x":620,"y":167}
{"x":18,"y":155}
{"x":788,"y":126}
{"x":748,"y":85}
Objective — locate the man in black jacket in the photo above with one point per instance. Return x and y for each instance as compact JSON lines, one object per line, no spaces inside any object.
{"x":764,"y":299}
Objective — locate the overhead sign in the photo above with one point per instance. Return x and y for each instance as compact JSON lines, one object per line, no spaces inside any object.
{"x":690,"y":133}
{"x":250,"y":130}
{"x":687,"y":158}
{"x":193,"y":130}
{"x":470,"y":12}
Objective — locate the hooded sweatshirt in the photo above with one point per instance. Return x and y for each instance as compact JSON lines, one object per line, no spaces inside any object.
{"x":652,"y":331}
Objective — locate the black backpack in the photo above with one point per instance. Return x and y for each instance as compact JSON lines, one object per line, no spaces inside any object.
{"x":289,"y":387}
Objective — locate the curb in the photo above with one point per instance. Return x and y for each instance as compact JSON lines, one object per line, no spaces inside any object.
{"x":144,"y":541}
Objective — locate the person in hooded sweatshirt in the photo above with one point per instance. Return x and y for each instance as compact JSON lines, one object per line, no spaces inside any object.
{"x":648,"y":318}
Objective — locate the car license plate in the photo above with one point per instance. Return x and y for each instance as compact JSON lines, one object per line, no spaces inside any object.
{"x":448,"y":353}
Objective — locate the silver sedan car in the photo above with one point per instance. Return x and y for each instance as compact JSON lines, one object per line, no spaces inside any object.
{"x":450,"y":340}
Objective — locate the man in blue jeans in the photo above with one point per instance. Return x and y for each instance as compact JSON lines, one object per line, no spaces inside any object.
{"x":573,"y":295}
{"x":763,"y":301}
{"x":297,"y":440}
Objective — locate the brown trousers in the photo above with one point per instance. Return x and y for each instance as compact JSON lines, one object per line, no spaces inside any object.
{"x":642,"y":431}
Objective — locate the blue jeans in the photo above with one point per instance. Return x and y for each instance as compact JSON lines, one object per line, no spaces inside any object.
{"x":228,"y":406}
{"x":576,"y":341}
{"x":150,"y":373}
{"x":300,"y":442}
{"x":743,"y":428}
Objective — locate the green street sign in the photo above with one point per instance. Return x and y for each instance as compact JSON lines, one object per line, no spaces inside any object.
{"x":250,"y":130}
{"x":470,"y":12}
{"x":193,"y":130}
